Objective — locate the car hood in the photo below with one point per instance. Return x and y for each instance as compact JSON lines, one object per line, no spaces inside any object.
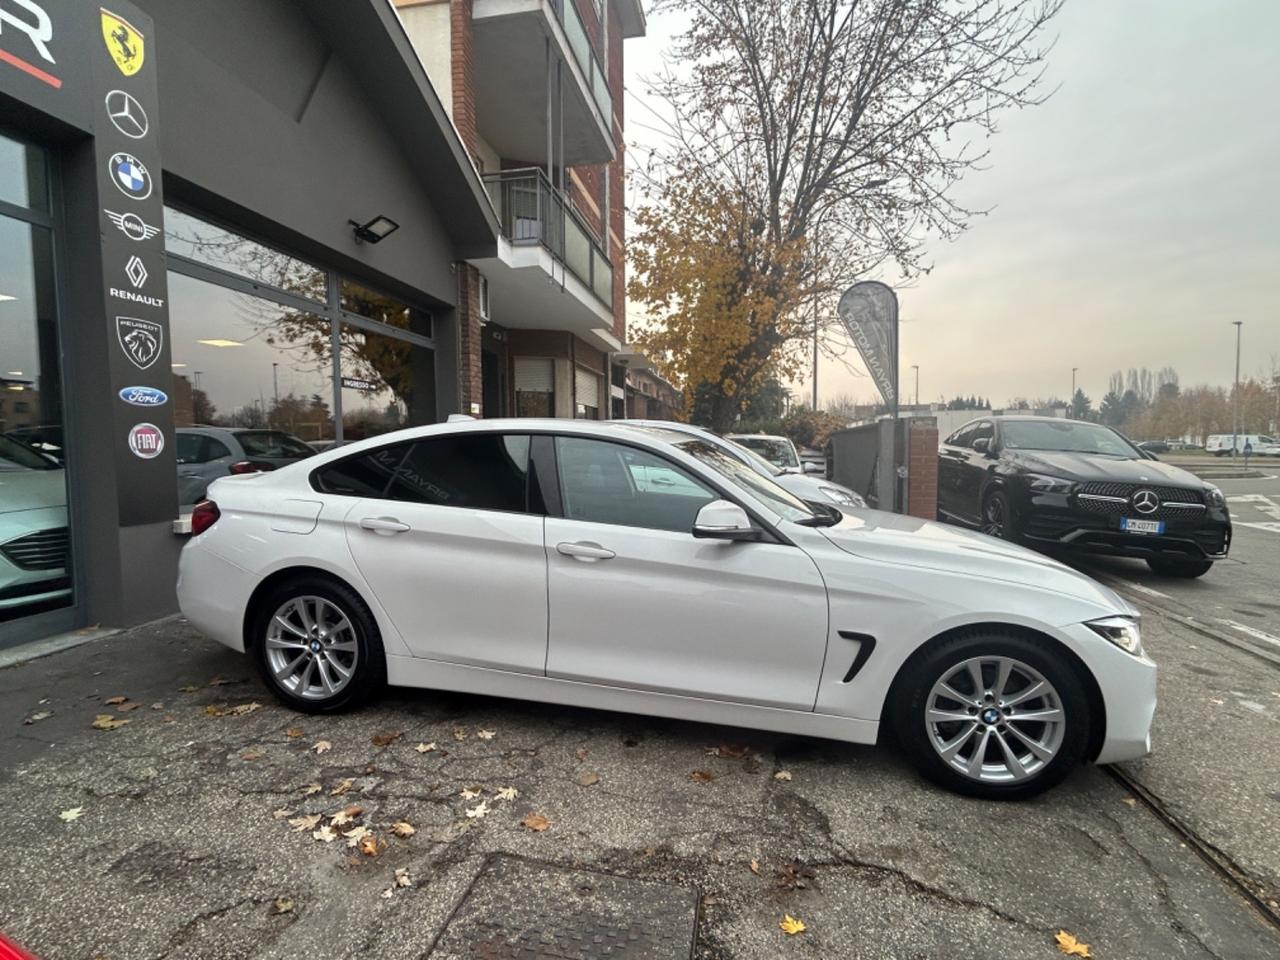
{"x":1088,"y":466}
{"x":31,"y":490}
{"x":891,"y":538}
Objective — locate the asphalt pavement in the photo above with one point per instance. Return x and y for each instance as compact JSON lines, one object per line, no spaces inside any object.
{"x":187,"y":831}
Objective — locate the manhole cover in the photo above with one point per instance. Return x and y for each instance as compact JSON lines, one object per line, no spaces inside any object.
{"x":523,"y":910}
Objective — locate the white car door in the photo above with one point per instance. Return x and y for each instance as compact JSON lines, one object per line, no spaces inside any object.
{"x":445,"y":539}
{"x":637,"y":601}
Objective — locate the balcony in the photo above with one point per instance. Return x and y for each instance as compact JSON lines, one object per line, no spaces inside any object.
{"x":551,"y":271}
{"x":511,"y":81}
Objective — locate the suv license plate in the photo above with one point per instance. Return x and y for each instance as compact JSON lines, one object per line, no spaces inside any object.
{"x":1141,"y":526}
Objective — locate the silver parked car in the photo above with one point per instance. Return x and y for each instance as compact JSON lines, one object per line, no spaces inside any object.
{"x":33,"y":528}
{"x":207,"y":453}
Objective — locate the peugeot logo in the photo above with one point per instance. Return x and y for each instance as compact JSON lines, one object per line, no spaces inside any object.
{"x":1146,"y":501}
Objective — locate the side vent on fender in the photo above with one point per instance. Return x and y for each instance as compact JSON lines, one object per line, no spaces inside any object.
{"x":866,"y":645}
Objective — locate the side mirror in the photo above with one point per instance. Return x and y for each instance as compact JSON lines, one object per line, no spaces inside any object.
{"x":722,"y":520}
{"x":811,"y":466}
{"x":982,"y":445}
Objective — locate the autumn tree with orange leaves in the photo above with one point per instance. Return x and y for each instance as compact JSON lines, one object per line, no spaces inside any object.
{"x":809,"y":143}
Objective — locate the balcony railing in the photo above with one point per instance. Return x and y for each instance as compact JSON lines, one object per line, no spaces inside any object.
{"x":531,"y":210}
{"x":585,"y":54}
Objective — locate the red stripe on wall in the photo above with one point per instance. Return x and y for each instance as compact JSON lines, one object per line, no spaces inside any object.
{"x":35,"y":71}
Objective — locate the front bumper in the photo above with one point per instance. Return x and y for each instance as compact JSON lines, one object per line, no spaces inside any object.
{"x":1128,"y":687}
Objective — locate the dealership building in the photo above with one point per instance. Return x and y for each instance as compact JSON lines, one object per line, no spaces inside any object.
{"x":282,"y":220}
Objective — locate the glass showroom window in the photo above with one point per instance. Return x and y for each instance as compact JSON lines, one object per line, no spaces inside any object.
{"x":35,"y":562}
{"x":387,"y":383}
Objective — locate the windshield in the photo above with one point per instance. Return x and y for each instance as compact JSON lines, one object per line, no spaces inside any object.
{"x":776,"y":450}
{"x":1067,"y":436}
{"x":763,"y":489}
{"x":15,"y":455}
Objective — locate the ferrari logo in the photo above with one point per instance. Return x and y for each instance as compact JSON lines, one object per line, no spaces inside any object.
{"x":124,"y":43}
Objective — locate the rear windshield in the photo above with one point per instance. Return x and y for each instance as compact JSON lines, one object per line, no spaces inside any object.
{"x":273,"y":444}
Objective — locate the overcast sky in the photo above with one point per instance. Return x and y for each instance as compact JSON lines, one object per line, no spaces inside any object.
{"x":1135,"y":215}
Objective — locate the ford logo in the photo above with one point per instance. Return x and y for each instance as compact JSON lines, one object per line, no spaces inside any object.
{"x":144,"y":396}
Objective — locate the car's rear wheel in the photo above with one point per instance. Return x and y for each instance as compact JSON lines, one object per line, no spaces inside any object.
{"x":1179,"y":568}
{"x":317,"y":645}
{"x":997,"y":517}
{"x":991,"y":715}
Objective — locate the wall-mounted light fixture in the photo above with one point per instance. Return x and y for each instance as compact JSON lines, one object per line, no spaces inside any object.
{"x":376,"y":230}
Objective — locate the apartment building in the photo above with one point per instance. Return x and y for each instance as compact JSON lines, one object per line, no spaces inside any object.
{"x":534,"y":88}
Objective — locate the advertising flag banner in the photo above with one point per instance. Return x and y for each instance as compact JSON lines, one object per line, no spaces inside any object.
{"x":869,"y":311}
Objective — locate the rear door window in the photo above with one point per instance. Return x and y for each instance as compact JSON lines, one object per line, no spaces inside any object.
{"x":366,"y":475}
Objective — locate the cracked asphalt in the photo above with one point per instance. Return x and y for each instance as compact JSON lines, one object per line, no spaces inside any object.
{"x":184,"y":848}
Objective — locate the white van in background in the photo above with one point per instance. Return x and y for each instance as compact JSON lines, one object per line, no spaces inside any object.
{"x":1219,"y":444}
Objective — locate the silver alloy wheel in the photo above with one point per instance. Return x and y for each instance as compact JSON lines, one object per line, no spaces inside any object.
{"x":995,"y":720}
{"x":311,"y":647}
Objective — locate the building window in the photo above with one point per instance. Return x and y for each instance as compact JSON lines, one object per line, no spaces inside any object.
{"x":535,"y":387}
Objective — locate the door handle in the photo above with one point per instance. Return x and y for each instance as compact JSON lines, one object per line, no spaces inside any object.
{"x":383,"y":525}
{"x":663,"y":482}
{"x":585,"y":551}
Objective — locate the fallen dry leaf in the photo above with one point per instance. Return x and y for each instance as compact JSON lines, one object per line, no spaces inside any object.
{"x":470,"y":793}
{"x":72,"y":814}
{"x":128,"y":707}
{"x":369,"y":846}
{"x":480,"y":810}
{"x":239,"y":710}
{"x":345,"y":815}
{"x":581,"y":753}
{"x":755,"y":867}
{"x":535,"y":822}
{"x":308,"y":822}
{"x":791,"y":926}
{"x":796,"y":876}
{"x":280,"y":813}
{"x":221,"y":681}
{"x":425,"y":747}
{"x":356,"y":834}
{"x":386,"y":739}
{"x":325,"y":834}
{"x":115,"y":701}
{"x":485,"y":734}
{"x":158,"y":705}
{"x":1216,"y":702}
{"x":293,"y":733}
{"x":282,"y":905}
{"x":1069,"y":945}
{"x":702,"y":776}
{"x":459,"y":733}
{"x":783,"y":775}
{"x":730,"y":751}
{"x":105,"y":721}
{"x":403,"y":829}
{"x":189,"y":688}
{"x":401,"y":879}
{"x":37,"y":717}
{"x":342,"y":787}
{"x":588,"y":779}
{"x":252,"y":755}
{"x":1130,"y":801}
{"x":506,"y":794}
{"x":322,"y":746}
{"x":311,"y":788}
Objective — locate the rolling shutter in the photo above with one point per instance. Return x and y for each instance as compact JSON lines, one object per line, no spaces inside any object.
{"x":586,"y":387}
{"x":535,"y":375}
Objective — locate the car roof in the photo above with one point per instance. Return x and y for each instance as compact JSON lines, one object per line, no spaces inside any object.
{"x":756,"y":436}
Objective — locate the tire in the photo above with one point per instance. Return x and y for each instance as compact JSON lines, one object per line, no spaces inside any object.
{"x":349,"y":664}
{"x":1188,"y":569}
{"x":1001,"y":526}
{"x":1061,"y":743}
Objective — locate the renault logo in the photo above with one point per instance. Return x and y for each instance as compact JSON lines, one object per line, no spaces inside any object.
{"x":1146,"y":501}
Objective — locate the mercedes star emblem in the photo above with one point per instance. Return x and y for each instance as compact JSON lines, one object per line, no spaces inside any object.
{"x":1146,"y":501}
{"x":126,"y":115}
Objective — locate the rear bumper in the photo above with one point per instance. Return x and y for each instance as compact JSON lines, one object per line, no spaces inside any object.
{"x":213,"y":594}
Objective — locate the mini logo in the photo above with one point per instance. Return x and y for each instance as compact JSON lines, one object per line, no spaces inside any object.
{"x":144,"y":396}
{"x":140,"y":340}
{"x":130,"y":175}
{"x":1146,"y":501}
{"x":126,"y":115}
{"x":124,"y":43}
{"x":136,"y":271}
{"x":146,"y":440}
{"x":132,"y":225}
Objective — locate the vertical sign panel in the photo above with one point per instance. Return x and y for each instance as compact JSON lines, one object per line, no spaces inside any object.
{"x":127,"y":149}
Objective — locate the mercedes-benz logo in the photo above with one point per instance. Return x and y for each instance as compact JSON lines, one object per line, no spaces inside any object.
{"x":126,"y":115}
{"x":1146,"y":501}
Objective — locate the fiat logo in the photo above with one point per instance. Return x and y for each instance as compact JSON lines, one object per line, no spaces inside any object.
{"x":1146,"y":501}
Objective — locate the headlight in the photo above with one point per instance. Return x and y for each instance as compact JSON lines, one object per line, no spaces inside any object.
{"x":1121,"y":631}
{"x":1042,"y":484}
{"x":844,"y":497}
{"x":1214,"y":496}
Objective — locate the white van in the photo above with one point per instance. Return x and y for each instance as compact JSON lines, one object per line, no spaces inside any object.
{"x":1220,"y":443}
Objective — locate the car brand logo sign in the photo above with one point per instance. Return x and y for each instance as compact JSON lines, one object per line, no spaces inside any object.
{"x":140,"y":340}
{"x":132,"y":225}
{"x":136,"y":271}
{"x":126,"y":115}
{"x":1146,"y":501}
{"x":125,"y":44}
{"x":146,"y":440}
{"x":144,"y":396}
{"x":130,"y":175}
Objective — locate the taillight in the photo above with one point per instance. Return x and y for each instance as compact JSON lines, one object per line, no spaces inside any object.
{"x":248,"y":466}
{"x":203,"y":516}
{"x":11,"y":951}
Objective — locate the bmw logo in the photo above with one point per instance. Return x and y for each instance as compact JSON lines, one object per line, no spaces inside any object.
{"x":990,"y":715}
{"x":315,"y":646}
{"x":130,"y":176}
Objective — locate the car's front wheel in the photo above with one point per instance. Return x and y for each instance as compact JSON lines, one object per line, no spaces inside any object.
{"x":1179,"y":568}
{"x":997,"y":517}
{"x":317,"y":645}
{"x":990,"y":715}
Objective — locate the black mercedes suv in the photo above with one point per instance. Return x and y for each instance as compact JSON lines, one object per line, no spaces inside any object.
{"x":1066,"y":484}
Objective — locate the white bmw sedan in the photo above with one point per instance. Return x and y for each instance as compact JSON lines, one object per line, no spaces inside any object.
{"x":644,"y":570}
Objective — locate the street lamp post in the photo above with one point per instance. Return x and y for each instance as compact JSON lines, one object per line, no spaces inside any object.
{"x":916,"y":368}
{"x":1235,"y":395}
{"x":1073,"y":385}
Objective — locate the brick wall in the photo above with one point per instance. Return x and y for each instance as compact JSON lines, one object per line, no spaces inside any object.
{"x":922,"y":476}
{"x":469,"y":337}
{"x":462,"y":50}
